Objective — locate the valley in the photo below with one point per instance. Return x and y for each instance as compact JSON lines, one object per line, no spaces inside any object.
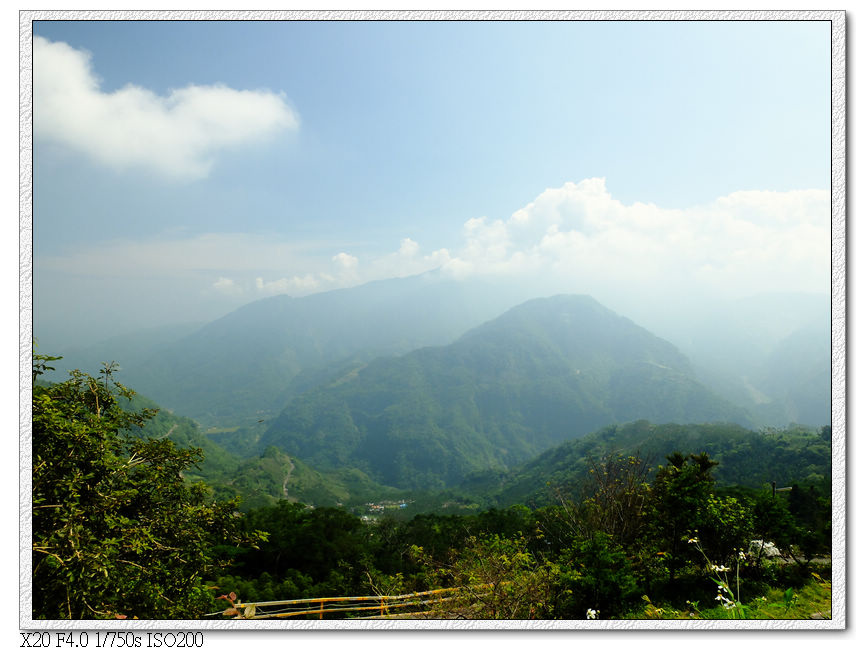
{"x":506,"y":424}
{"x":420,"y":383}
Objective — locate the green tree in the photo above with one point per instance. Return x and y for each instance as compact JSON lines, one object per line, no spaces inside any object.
{"x":813,"y":520}
{"x":601,"y":578}
{"x":616,"y":494}
{"x":116,"y":529}
{"x":679,"y":495}
{"x":684,"y":506}
{"x":495,"y":578}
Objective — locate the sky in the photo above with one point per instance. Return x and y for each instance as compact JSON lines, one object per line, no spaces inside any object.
{"x":645,"y":119}
{"x":182,"y":169}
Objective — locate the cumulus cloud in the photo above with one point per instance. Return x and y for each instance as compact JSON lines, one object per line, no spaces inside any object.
{"x":575,"y":238}
{"x":408,"y":247}
{"x":293,"y":285}
{"x":580,"y":234}
{"x":227,"y":286}
{"x":178,"y":135}
{"x":346,"y":262}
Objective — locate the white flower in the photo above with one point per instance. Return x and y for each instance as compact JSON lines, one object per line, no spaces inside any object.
{"x":742,"y":555}
{"x":720,"y":569}
{"x":591,"y":614}
{"x":693,"y":540}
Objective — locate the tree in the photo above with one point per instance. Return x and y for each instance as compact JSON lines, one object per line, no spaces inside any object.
{"x":117,"y":532}
{"x":679,"y":495}
{"x":683,"y":506}
{"x":601,"y":578}
{"x":615,"y":498}
{"x":494,"y":578}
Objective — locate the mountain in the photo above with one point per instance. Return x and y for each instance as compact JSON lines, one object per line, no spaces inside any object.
{"x":276,"y":476}
{"x":543,"y":372}
{"x":746,"y":458}
{"x":260,"y":480}
{"x":769,"y":353}
{"x":797,"y":376}
{"x":246,"y":366}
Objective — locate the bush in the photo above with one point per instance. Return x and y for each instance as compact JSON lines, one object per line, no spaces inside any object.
{"x":600,"y":577}
{"x":117,"y":532}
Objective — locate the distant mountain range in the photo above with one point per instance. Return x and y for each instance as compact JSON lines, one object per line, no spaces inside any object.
{"x":544,"y":372}
{"x":746,"y":458}
{"x":247,"y":365}
{"x":393,"y":374}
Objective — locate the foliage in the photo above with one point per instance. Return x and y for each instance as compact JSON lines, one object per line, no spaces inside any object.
{"x":747,"y":459}
{"x":601,"y":578}
{"x":120,"y":530}
{"x":326,"y":547}
{"x":116,"y":529}
{"x":497,"y":578}
{"x":812,"y":601}
{"x":622,"y":537}
{"x":678,"y":505}
{"x":615,"y":497}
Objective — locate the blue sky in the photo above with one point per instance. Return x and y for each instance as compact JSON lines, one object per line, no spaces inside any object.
{"x":185,"y":168}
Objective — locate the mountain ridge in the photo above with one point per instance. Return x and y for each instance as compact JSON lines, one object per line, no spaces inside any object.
{"x":544,"y":371}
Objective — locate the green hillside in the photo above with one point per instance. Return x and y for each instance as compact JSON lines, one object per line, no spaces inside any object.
{"x":546,"y":371}
{"x":260,"y":480}
{"x":746,"y":458}
{"x":248,"y":364}
{"x":274,"y":476}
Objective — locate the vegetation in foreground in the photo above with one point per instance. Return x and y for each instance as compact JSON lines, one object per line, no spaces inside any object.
{"x":119,"y":532}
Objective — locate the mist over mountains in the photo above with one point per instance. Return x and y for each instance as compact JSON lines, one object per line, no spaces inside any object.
{"x":546,"y":371}
{"x":419,"y":381}
{"x":246,"y":365}
{"x":735,"y":346}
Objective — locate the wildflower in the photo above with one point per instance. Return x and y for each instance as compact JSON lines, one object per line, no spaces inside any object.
{"x":726,"y":601}
{"x":693,"y":540}
{"x":720,"y":569}
{"x":591,"y":614}
{"x":742,"y":555}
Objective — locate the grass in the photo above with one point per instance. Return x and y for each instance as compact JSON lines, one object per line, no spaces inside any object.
{"x":813,"y":601}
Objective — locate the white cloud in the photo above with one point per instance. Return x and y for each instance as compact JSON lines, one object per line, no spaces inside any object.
{"x":578,"y":233}
{"x":408,"y":247}
{"x":346,"y":262}
{"x":576,"y":238}
{"x":294,"y":285}
{"x":178,"y":135}
{"x":227,"y":286}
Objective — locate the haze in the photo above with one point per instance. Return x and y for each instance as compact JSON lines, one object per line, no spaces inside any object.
{"x":183,"y":169}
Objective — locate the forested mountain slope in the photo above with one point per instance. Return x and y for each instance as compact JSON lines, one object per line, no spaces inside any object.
{"x":246,"y":365}
{"x":543,"y":372}
{"x":752,"y":459}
